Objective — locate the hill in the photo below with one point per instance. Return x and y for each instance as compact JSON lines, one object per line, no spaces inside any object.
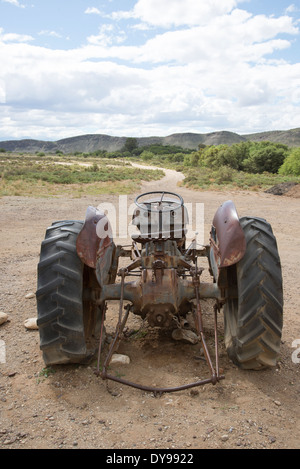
{"x":288,"y":137}
{"x":93,"y":142}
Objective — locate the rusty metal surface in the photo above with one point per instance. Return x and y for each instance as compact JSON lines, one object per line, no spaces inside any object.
{"x":168,"y":283}
{"x":159,"y":217}
{"x":161,"y":390}
{"x":133,"y":292}
{"x":229,"y":244}
{"x":89,"y":245}
{"x":214,"y":370}
{"x":159,"y":301}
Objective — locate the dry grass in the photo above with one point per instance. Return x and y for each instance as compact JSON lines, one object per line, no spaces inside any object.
{"x":34,"y":176}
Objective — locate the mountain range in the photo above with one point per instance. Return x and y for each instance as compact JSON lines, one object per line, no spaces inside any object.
{"x":93,"y":142}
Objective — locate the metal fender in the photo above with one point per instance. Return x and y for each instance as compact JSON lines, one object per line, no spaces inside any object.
{"x":94,"y":242}
{"x":227,"y":236}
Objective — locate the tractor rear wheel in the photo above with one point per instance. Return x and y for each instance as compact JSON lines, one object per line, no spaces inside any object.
{"x":253,"y":318}
{"x":68,"y":319}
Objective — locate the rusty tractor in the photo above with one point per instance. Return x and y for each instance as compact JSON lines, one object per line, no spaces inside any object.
{"x":79,"y":273}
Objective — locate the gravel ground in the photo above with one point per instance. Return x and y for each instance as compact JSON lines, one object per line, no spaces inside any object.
{"x":73,"y":408}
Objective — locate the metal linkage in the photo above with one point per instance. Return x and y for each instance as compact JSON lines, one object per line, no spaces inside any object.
{"x":215,"y":375}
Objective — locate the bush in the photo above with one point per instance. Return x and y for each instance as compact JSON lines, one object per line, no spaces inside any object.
{"x":291,"y":164}
{"x":147,"y":155}
{"x":223,"y":175}
{"x":194,"y":159}
{"x":265,"y":156}
{"x":216,"y":156}
{"x":251,"y":157}
{"x":176,"y":157}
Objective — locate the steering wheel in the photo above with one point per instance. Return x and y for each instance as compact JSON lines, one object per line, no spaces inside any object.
{"x":161,"y":204}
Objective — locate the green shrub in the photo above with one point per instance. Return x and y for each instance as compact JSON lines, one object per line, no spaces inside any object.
{"x":223,"y":175}
{"x":291,"y":164}
{"x":265,"y":156}
{"x":147,"y":155}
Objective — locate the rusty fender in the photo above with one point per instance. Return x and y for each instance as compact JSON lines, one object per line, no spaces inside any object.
{"x":228,"y":243}
{"x":94,"y":243}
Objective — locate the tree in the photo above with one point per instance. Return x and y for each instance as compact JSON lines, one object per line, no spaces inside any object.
{"x":291,"y":164}
{"x":265,"y":156}
{"x":130,"y":144}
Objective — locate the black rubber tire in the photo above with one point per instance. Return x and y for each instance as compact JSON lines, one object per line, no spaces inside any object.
{"x":69,"y":324}
{"x":253,"y":321}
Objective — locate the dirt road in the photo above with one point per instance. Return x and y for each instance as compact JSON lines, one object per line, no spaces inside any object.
{"x":73,"y":408}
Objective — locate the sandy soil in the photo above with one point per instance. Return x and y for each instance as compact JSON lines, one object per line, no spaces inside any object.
{"x":73,"y":408}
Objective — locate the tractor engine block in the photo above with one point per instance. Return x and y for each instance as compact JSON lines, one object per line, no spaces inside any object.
{"x":159,"y":283}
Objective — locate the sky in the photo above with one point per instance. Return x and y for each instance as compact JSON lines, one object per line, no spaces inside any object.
{"x":141,"y":68}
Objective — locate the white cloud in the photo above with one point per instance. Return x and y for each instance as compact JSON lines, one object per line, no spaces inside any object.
{"x":13,"y":37}
{"x":2,"y":92}
{"x":203,"y":76}
{"x":15,"y":3}
{"x":168,"y":13}
{"x":109,"y":98}
{"x":48,"y":33}
{"x":238,"y":36}
{"x":291,"y":9}
{"x":108,"y":34}
{"x":92,"y":11}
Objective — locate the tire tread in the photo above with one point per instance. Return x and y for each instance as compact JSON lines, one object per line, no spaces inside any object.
{"x":59,"y":296}
{"x":254,"y":336}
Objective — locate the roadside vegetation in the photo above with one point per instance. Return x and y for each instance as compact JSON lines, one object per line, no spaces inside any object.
{"x":247,"y":166}
{"x":250,"y":165}
{"x":42,"y":175}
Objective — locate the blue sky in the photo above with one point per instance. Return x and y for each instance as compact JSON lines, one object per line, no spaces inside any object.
{"x":148,"y":67}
